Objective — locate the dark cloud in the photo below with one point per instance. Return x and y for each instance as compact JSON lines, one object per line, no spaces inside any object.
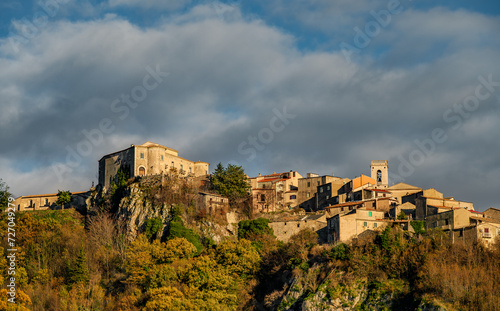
{"x":231,"y":83}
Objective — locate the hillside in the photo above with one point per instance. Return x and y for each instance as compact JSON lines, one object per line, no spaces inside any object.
{"x":146,"y":245}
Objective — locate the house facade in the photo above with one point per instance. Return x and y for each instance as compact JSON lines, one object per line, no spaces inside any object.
{"x":345,"y":227}
{"x":147,"y":159}
{"x":275,"y":191}
{"x":40,"y":202}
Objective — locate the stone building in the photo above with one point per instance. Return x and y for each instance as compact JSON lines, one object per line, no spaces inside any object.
{"x":492,"y":213}
{"x":465,"y":226}
{"x":327,"y":193}
{"x":398,"y":191}
{"x":308,"y":188}
{"x":286,"y":227}
{"x":275,"y":191}
{"x":40,"y":202}
{"x":428,"y":205}
{"x":147,"y":159}
{"x":344,"y":227}
{"x":213,"y":203}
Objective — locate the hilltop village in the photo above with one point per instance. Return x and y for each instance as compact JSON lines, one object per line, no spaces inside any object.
{"x":338,"y":209}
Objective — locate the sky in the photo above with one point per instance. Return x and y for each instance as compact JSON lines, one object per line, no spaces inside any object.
{"x":313,"y":86}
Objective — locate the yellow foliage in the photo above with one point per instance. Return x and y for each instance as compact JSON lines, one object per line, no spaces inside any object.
{"x":168,"y":298}
{"x":22,"y":300}
{"x":239,"y":257}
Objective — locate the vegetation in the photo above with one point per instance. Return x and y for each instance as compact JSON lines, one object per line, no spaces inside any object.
{"x":63,"y":197}
{"x":4,"y":195}
{"x":152,"y":227}
{"x":230,"y":181}
{"x":67,"y":262}
{"x":249,"y":228}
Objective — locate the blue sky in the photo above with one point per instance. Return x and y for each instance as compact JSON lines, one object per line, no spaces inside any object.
{"x":314,"y":86}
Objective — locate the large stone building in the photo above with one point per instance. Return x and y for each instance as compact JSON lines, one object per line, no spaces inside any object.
{"x":147,"y":159}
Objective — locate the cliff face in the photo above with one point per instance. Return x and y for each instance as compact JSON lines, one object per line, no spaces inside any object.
{"x":135,"y":209}
{"x":153,"y":197}
{"x":387,"y":295}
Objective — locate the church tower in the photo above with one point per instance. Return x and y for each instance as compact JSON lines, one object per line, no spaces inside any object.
{"x":380,"y":172}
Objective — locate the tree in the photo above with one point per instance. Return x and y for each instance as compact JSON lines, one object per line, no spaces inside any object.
{"x":4,"y":195}
{"x":78,"y":271}
{"x":230,"y":181}
{"x":63,"y":197}
{"x":249,"y":228}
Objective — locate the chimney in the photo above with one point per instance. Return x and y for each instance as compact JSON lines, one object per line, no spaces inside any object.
{"x":259,"y":175}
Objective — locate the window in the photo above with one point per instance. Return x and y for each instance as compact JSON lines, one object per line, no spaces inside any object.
{"x":182,"y":167}
{"x":142,"y":155}
{"x":318,"y":182}
{"x":365,"y":224}
{"x":293,"y":174}
{"x":190,"y":170}
{"x":341,"y":209}
{"x":375,"y":225}
{"x":47,"y":202}
{"x":379,"y":176}
{"x":309,"y":184}
{"x":31,"y":203}
{"x":161,"y":157}
{"x":172,"y":164}
{"x":486,"y":230}
{"x":328,"y":188}
{"x":262,"y":197}
{"x":293,"y":197}
{"x":321,"y":190}
{"x":369,"y":214}
{"x":327,"y":197}
{"x":298,"y":225}
{"x":308,"y":194}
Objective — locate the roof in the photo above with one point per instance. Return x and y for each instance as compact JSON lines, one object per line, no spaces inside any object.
{"x":444,"y":199}
{"x":47,"y":195}
{"x":212,"y":194}
{"x":299,"y":218}
{"x":404,"y":186}
{"x":493,"y":208}
{"x":349,"y":203}
{"x":147,"y":144}
{"x":447,"y":207}
{"x":267,"y":179}
{"x":491,"y":220}
{"x":379,"y":190}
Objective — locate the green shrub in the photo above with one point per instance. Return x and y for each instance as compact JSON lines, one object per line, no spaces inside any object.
{"x":152,"y":227}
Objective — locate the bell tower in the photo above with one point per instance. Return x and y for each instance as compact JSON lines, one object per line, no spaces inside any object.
{"x":380,"y":172}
